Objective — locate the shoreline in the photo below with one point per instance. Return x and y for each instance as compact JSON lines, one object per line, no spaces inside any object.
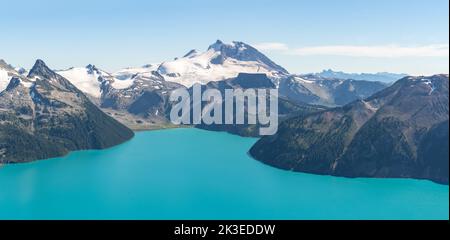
{"x":247,"y":153}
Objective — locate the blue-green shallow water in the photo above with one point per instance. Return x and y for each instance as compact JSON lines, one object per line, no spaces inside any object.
{"x":195,"y":174}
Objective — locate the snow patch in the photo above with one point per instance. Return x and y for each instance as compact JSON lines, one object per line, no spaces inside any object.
{"x":429,"y":83}
{"x":128,"y":73}
{"x":84,"y":80}
{"x":27,"y":84}
{"x":299,"y":79}
{"x":4,"y":79}
{"x":122,"y":84}
{"x":199,"y":69}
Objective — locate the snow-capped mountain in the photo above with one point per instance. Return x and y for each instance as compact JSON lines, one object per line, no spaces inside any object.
{"x":94,"y":81}
{"x":138,"y":96}
{"x":88,"y":79}
{"x":143,"y":104}
{"x":286,"y":107}
{"x":134,"y":96}
{"x":4,"y":79}
{"x":220,"y":61}
{"x":7,"y":72}
{"x":130,"y":72}
{"x":44,"y":115}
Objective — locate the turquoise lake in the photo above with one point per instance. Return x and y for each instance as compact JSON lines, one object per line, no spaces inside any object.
{"x":196,"y":174}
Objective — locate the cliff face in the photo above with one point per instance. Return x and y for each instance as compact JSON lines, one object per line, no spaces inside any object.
{"x":43,"y":115}
{"x":400,"y":132}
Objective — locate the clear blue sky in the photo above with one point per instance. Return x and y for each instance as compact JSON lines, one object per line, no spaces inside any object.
{"x":303,"y":36}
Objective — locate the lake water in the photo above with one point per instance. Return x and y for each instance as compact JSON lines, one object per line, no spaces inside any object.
{"x":196,"y":174}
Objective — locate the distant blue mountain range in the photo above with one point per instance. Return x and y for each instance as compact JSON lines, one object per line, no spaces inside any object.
{"x":380,"y":77}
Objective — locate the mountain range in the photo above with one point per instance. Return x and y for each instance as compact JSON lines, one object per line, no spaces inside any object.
{"x":138,"y":96}
{"x":327,"y":91}
{"x":401,"y":131}
{"x":220,"y":61}
{"x":353,"y":125}
{"x":286,"y":107}
{"x":379,"y":77}
{"x":43,"y":115}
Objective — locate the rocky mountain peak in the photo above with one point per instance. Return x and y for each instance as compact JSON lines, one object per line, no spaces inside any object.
{"x":92,"y":69}
{"x":217,"y":45}
{"x":399,"y":132}
{"x":40,"y":69}
{"x":242,"y":52}
{"x":148,"y":65}
{"x":4,"y":65}
{"x":13,"y":83}
{"x":193,"y":52}
{"x":2,"y":62}
{"x":49,"y":117}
